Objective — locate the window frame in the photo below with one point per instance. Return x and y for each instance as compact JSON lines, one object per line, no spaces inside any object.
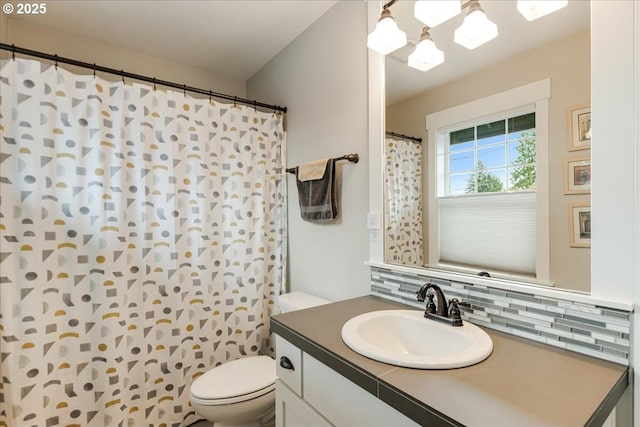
{"x":531,"y":97}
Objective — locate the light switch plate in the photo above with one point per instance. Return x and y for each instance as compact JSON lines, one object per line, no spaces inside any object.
{"x":373,"y":221}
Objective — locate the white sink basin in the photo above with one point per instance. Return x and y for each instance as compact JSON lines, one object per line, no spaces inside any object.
{"x":405,"y":338}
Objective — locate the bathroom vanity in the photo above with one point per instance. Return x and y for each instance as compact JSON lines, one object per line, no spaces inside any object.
{"x":323,"y":382}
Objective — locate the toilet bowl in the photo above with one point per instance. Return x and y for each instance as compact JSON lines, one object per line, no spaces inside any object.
{"x":241,"y":392}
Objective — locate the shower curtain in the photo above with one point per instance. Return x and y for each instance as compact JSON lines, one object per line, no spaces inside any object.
{"x":141,"y":237}
{"x":403,"y":207}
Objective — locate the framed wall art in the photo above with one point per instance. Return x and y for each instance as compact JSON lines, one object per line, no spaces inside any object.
{"x":580,"y":226}
{"x":579,"y":121}
{"x":577,"y":176}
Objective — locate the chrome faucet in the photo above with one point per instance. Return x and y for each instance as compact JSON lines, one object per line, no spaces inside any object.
{"x":441,"y":311}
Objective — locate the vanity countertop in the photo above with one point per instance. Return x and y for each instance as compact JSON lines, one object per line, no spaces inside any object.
{"x":522,"y":383}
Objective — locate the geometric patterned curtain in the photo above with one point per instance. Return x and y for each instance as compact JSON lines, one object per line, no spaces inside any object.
{"x":141,"y":244}
{"x":403,"y":207}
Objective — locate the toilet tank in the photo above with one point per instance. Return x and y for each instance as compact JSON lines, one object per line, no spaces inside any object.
{"x":299,"y":300}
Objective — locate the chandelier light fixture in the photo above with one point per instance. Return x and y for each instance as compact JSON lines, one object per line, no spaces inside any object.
{"x":386,"y":37}
{"x":426,"y":55}
{"x":476,"y":29}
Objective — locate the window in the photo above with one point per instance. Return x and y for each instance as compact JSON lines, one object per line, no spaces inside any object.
{"x":493,"y":157}
{"x":488,"y":188}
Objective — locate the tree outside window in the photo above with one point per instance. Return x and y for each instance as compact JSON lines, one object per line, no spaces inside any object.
{"x":509,"y":145}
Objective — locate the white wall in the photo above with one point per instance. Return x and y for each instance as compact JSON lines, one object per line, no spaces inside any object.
{"x":47,"y":40}
{"x":322,"y":79}
{"x":615,"y":174}
{"x":615,"y":91}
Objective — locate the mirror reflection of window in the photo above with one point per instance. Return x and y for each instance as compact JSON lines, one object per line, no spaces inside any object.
{"x":490,"y":166}
{"x":487,"y":200}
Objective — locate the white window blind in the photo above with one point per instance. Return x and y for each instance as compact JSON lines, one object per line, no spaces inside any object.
{"x":490,"y":231}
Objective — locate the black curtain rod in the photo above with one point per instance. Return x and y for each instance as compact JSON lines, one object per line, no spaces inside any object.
{"x":399,"y":135}
{"x":353,"y":158}
{"x":59,"y":59}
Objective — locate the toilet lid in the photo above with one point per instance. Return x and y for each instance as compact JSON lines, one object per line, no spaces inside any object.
{"x":236,"y":378}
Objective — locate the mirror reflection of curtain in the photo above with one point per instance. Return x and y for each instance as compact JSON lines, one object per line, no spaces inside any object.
{"x":403,"y":204}
{"x":142,"y":235}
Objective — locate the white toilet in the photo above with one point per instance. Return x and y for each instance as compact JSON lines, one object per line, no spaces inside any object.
{"x":241,"y":393}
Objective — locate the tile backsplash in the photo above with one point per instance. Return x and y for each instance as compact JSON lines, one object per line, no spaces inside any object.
{"x":588,"y":329}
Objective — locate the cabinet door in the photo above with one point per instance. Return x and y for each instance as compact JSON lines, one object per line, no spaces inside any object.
{"x":344,"y":403}
{"x":291,"y":411}
{"x":290,"y":370}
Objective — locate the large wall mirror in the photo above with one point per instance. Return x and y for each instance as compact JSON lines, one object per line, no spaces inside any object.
{"x":479,"y":165}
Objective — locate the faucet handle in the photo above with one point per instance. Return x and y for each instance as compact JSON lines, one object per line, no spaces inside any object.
{"x":457,"y":302}
{"x":431,"y":306}
{"x":454,"y":311}
{"x":454,"y":307}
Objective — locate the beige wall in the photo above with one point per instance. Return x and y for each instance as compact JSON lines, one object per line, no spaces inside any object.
{"x":322,"y":78}
{"x":47,"y":40}
{"x":567,"y":64}
{"x":4,"y":28}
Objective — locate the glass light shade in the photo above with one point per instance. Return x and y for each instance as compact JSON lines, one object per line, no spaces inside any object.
{"x":386,"y":37}
{"x":534,"y":9}
{"x":426,"y":56}
{"x":475,"y":30}
{"x":435,"y":12}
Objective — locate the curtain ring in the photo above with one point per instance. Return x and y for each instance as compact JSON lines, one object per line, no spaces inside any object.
{"x":94,"y":70}
{"x":184,"y":89}
{"x":122,"y":75}
{"x":255,"y":104}
{"x":154,"y":84}
{"x":13,"y":51}
{"x":209,"y":95}
{"x":55,"y":57}
{"x":235,"y":101}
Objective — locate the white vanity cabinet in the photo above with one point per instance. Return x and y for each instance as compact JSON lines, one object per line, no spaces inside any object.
{"x":308,"y":393}
{"x":291,"y":409}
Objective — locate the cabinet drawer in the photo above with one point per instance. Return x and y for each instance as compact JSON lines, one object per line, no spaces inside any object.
{"x":289,"y":364}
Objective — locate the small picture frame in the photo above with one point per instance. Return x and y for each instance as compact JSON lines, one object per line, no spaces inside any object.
{"x":580,"y":225}
{"x":579,"y":121}
{"x":577,"y":176}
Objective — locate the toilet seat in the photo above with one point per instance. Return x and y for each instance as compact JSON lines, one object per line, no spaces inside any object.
{"x":230,"y":400}
{"x":236,"y":381}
